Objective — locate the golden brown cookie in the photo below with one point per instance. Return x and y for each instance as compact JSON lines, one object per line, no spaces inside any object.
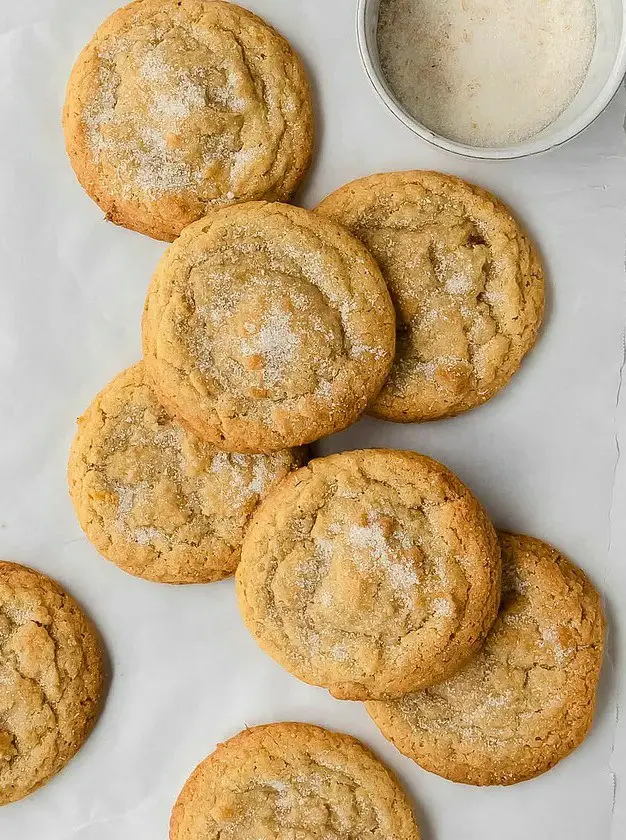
{"x":527,"y":699}
{"x":466,"y":282}
{"x":292,"y":780}
{"x":370,"y":573}
{"x":267,"y":326}
{"x":50,"y":680}
{"x":178,"y":106}
{"x":154,"y":499}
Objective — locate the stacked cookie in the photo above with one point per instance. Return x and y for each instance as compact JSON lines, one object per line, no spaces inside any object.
{"x":466,"y":282}
{"x":372,"y":573}
{"x":267,"y":327}
{"x":527,"y":699}
{"x":154,"y":498}
{"x":376,"y":574}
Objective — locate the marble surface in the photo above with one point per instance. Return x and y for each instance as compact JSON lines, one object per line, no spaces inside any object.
{"x":544,"y":455}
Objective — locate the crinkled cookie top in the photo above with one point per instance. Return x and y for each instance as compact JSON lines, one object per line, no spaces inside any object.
{"x":50,"y":679}
{"x":527,"y":699}
{"x":370,"y":573}
{"x":154,"y":499}
{"x":177,"y":107}
{"x":466,"y":283}
{"x":292,"y":780}
{"x":267,"y":326}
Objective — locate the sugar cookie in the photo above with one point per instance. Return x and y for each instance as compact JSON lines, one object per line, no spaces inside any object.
{"x":267,"y":326}
{"x":292,"y":780}
{"x":466,"y":282}
{"x":154,"y":499}
{"x":527,"y":699}
{"x":177,"y":107}
{"x":50,"y":680}
{"x":370,"y":573}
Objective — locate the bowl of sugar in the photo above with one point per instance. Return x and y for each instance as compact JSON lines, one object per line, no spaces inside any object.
{"x":494,"y":79}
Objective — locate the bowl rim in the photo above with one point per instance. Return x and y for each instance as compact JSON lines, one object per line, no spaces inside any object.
{"x":527,"y":148}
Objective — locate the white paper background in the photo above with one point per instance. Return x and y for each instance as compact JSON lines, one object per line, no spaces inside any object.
{"x":543,"y":455}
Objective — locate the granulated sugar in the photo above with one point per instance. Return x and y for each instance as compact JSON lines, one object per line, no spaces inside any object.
{"x":145,"y":536}
{"x":486,"y":72}
{"x":141,"y":142}
{"x":400,"y":573}
{"x":276,"y":343}
{"x":127,"y":498}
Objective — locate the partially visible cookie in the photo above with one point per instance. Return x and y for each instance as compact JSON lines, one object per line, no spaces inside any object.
{"x":154,"y":499}
{"x":267,"y":326}
{"x":178,"y":106}
{"x":50,"y":680}
{"x":292,"y":780}
{"x":466,"y":282}
{"x":370,"y":573}
{"x":527,"y":699}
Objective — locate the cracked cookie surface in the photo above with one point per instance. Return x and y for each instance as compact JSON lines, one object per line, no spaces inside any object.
{"x":50,"y":680}
{"x":154,"y":499}
{"x":175,"y":107}
{"x":370,"y":573}
{"x":267,"y":326}
{"x":292,"y":780}
{"x":527,"y":699}
{"x":466,"y":283}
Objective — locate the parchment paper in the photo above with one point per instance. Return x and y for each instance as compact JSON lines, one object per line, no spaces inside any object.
{"x":543,"y":456}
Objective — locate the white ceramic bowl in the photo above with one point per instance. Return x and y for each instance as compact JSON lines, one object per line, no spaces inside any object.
{"x":606,"y":71}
